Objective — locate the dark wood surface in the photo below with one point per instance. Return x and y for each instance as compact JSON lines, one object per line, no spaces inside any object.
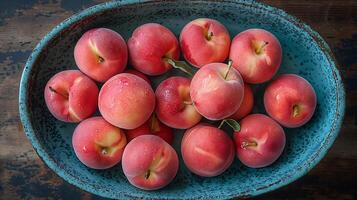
{"x":24,"y":176}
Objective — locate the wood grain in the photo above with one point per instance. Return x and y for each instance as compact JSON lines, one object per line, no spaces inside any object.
{"x":25,"y":176}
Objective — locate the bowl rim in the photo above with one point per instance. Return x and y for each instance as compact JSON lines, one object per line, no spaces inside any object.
{"x":300,"y":171}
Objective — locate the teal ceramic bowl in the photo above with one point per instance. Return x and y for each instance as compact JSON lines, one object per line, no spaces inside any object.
{"x":304,"y":53}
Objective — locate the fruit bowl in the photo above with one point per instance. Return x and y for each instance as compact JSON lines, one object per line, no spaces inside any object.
{"x":304,"y":53}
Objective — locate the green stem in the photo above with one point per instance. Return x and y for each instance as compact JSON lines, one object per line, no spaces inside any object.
{"x":181,"y":65}
{"x":221,"y":124}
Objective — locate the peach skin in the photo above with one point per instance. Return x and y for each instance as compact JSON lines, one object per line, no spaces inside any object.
{"x":98,"y":144}
{"x":149,"y":163}
{"x":71,"y":96}
{"x":101,"y":53}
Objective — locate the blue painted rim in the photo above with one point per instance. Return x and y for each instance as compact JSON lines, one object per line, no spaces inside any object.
{"x":288,"y":178}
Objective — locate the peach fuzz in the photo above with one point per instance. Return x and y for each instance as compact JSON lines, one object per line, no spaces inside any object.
{"x":98,"y":144}
{"x":174,"y":106}
{"x":217,"y":91}
{"x":256,"y":54}
{"x":149,"y":48}
{"x":290,"y":100}
{"x":204,"y":41}
{"x":206,"y":150}
{"x":126,"y":101}
{"x":260,"y":141}
{"x":149,"y":162}
{"x":247,"y":104}
{"x":137,"y":73}
{"x":152,"y":127}
{"x":101,"y":53}
{"x":71,"y":96}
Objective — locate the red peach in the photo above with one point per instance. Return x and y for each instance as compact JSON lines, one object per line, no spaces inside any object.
{"x":204,"y":41}
{"x":149,"y":47}
{"x":71,"y":96}
{"x":256,"y":54}
{"x":98,"y":144}
{"x":126,"y":101}
{"x":206,"y":150}
{"x":149,"y":162}
{"x":174,"y":106}
{"x":214,"y":95}
{"x":152,"y":127}
{"x":141,"y":75}
{"x":101,"y":53}
{"x":247,"y":104}
{"x":260,"y":141}
{"x":290,"y":100}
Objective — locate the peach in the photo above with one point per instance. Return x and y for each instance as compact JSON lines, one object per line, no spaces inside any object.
{"x":206,"y":150}
{"x":101,"y":53}
{"x":152,"y":127}
{"x":247,"y":104}
{"x":217,"y":91}
{"x":260,"y":141}
{"x":141,"y":75}
{"x":149,"y":162}
{"x":204,"y":41}
{"x":98,"y":144}
{"x":150,"y":47}
{"x":290,"y":100}
{"x":126,"y":101}
{"x":71,"y":96}
{"x":256,"y":54}
{"x":174,"y":106}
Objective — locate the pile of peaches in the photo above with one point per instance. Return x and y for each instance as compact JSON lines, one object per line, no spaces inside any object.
{"x":136,"y":124}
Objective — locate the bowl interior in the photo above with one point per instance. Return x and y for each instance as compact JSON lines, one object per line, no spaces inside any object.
{"x":302,"y":54}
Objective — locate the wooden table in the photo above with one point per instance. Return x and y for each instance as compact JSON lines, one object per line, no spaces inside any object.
{"x":24,"y":176}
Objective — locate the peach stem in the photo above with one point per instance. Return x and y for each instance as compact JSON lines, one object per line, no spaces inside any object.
{"x":248,"y":144}
{"x":230,"y":63}
{"x":295,"y":110}
{"x":100,"y":59}
{"x":55,"y":91}
{"x":259,"y":50}
{"x":104,"y":151}
{"x":209,"y":35}
{"x":147,"y":174}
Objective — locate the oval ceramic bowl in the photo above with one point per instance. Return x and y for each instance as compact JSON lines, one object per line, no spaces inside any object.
{"x":304,"y":53}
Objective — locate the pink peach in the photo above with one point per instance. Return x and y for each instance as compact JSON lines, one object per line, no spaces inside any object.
{"x":98,"y":144}
{"x":101,"y":53}
{"x":216,"y":91}
{"x":206,"y":150}
{"x":260,"y":141}
{"x":204,"y":41}
{"x":149,"y":48}
{"x":126,"y":101}
{"x":71,"y":96}
{"x":149,"y":162}
{"x":290,"y":100}
{"x":174,"y":106}
{"x":256,"y":54}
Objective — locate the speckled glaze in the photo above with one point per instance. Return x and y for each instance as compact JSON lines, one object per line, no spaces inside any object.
{"x":304,"y":53}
